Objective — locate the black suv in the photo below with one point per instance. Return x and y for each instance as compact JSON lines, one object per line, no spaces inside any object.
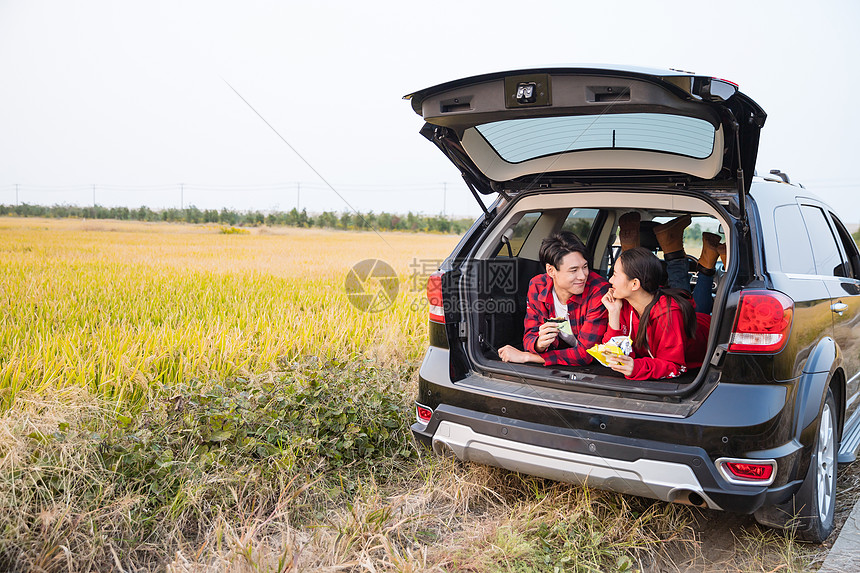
{"x":760,"y":426}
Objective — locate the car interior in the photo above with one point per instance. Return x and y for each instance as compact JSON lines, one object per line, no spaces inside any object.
{"x":508,"y":258}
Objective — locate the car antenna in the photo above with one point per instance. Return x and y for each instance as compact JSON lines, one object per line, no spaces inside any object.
{"x":781,"y":175}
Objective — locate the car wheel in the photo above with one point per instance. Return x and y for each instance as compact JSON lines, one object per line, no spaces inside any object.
{"x":816,"y":498}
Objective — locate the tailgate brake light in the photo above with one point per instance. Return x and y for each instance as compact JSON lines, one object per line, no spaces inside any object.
{"x":434,"y":297}
{"x":762,"y":323}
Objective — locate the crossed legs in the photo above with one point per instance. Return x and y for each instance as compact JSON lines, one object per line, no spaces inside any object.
{"x":671,"y":238}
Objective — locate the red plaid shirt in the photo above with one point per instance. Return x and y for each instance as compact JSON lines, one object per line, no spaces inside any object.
{"x":588,"y":320}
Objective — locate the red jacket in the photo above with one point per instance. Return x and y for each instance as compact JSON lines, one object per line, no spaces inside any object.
{"x":587,"y":315}
{"x":671,"y":351}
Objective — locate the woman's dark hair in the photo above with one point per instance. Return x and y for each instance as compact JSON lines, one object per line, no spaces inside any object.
{"x":554,"y":248}
{"x":640,"y":263}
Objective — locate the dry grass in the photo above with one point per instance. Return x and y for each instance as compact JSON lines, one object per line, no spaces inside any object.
{"x":60,"y":509}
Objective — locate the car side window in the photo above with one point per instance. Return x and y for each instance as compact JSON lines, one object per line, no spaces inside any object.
{"x":795,"y":252}
{"x":828,"y":260}
{"x":580,"y":222}
{"x":519,"y":235}
{"x":852,"y":263}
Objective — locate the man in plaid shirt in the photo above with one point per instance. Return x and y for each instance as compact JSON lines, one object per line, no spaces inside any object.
{"x":569,"y":290}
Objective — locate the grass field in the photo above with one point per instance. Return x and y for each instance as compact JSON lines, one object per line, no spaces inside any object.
{"x":124,"y":309}
{"x":174,"y":397}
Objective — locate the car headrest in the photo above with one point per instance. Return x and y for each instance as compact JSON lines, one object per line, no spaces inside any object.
{"x":647,"y":238}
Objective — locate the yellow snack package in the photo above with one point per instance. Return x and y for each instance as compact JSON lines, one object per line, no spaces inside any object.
{"x":621,"y":345}
{"x":598,"y":351}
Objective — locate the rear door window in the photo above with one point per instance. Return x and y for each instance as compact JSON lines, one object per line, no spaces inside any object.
{"x":519,"y":235}
{"x":828,"y":260}
{"x":795,"y":252}
{"x":580,"y":222}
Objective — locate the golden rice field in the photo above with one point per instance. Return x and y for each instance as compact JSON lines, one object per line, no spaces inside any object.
{"x":124,"y":309}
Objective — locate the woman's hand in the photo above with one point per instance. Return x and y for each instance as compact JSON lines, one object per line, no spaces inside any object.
{"x":510,"y":354}
{"x":613,"y":305}
{"x":610,"y":302}
{"x":547,"y":333}
{"x":620,"y":363}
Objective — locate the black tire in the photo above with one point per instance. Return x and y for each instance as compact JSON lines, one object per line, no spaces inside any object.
{"x":816,"y":499}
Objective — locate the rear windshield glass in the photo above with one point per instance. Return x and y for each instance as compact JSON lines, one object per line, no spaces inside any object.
{"x":517,"y":140}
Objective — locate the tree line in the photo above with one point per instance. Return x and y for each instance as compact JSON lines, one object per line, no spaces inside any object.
{"x":294,"y":218}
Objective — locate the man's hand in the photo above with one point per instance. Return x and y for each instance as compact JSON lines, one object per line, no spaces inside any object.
{"x":547,"y":333}
{"x":510,"y":354}
{"x":619,"y":363}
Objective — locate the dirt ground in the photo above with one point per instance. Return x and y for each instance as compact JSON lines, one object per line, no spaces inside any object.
{"x":728,"y":542}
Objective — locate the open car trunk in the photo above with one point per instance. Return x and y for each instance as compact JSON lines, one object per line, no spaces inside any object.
{"x":495,"y":282}
{"x":575,"y":147}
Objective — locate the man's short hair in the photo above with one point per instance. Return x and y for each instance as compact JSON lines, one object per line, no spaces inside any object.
{"x":554,"y":248}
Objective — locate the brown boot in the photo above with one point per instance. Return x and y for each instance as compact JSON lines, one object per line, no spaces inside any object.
{"x":671,"y":235}
{"x":629,"y":230}
{"x":711,"y":249}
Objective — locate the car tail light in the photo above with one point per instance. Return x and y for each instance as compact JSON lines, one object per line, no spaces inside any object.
{"x":763,"y":322}
{"x":750,"y":471}
{"x":424,"y":413}
{"x":434,"y":297}
{"x":758,"y":472}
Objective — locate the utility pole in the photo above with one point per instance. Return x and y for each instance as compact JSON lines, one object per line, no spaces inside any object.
{"x":444,"y":197}
{"x":182,"y":196}
{"x":298,"y":195}
{"x":94,"y":194}
{"x":16,"y":195}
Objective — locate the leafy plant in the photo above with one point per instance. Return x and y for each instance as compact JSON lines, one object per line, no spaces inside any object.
{"x":317,"y":417}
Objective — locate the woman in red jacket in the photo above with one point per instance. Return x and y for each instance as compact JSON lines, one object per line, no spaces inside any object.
{"x":668,"y":334}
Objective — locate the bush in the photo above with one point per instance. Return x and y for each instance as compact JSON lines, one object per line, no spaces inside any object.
{"x":234,"y":231}
{"x":316,"y":417}
{"x":95,"y":479}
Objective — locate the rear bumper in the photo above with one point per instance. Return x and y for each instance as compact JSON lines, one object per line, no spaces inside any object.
{"x":668,"y":481}
{"x":632,"y":466}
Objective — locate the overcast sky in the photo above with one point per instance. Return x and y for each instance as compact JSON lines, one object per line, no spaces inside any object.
{"x":131,"y":96}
